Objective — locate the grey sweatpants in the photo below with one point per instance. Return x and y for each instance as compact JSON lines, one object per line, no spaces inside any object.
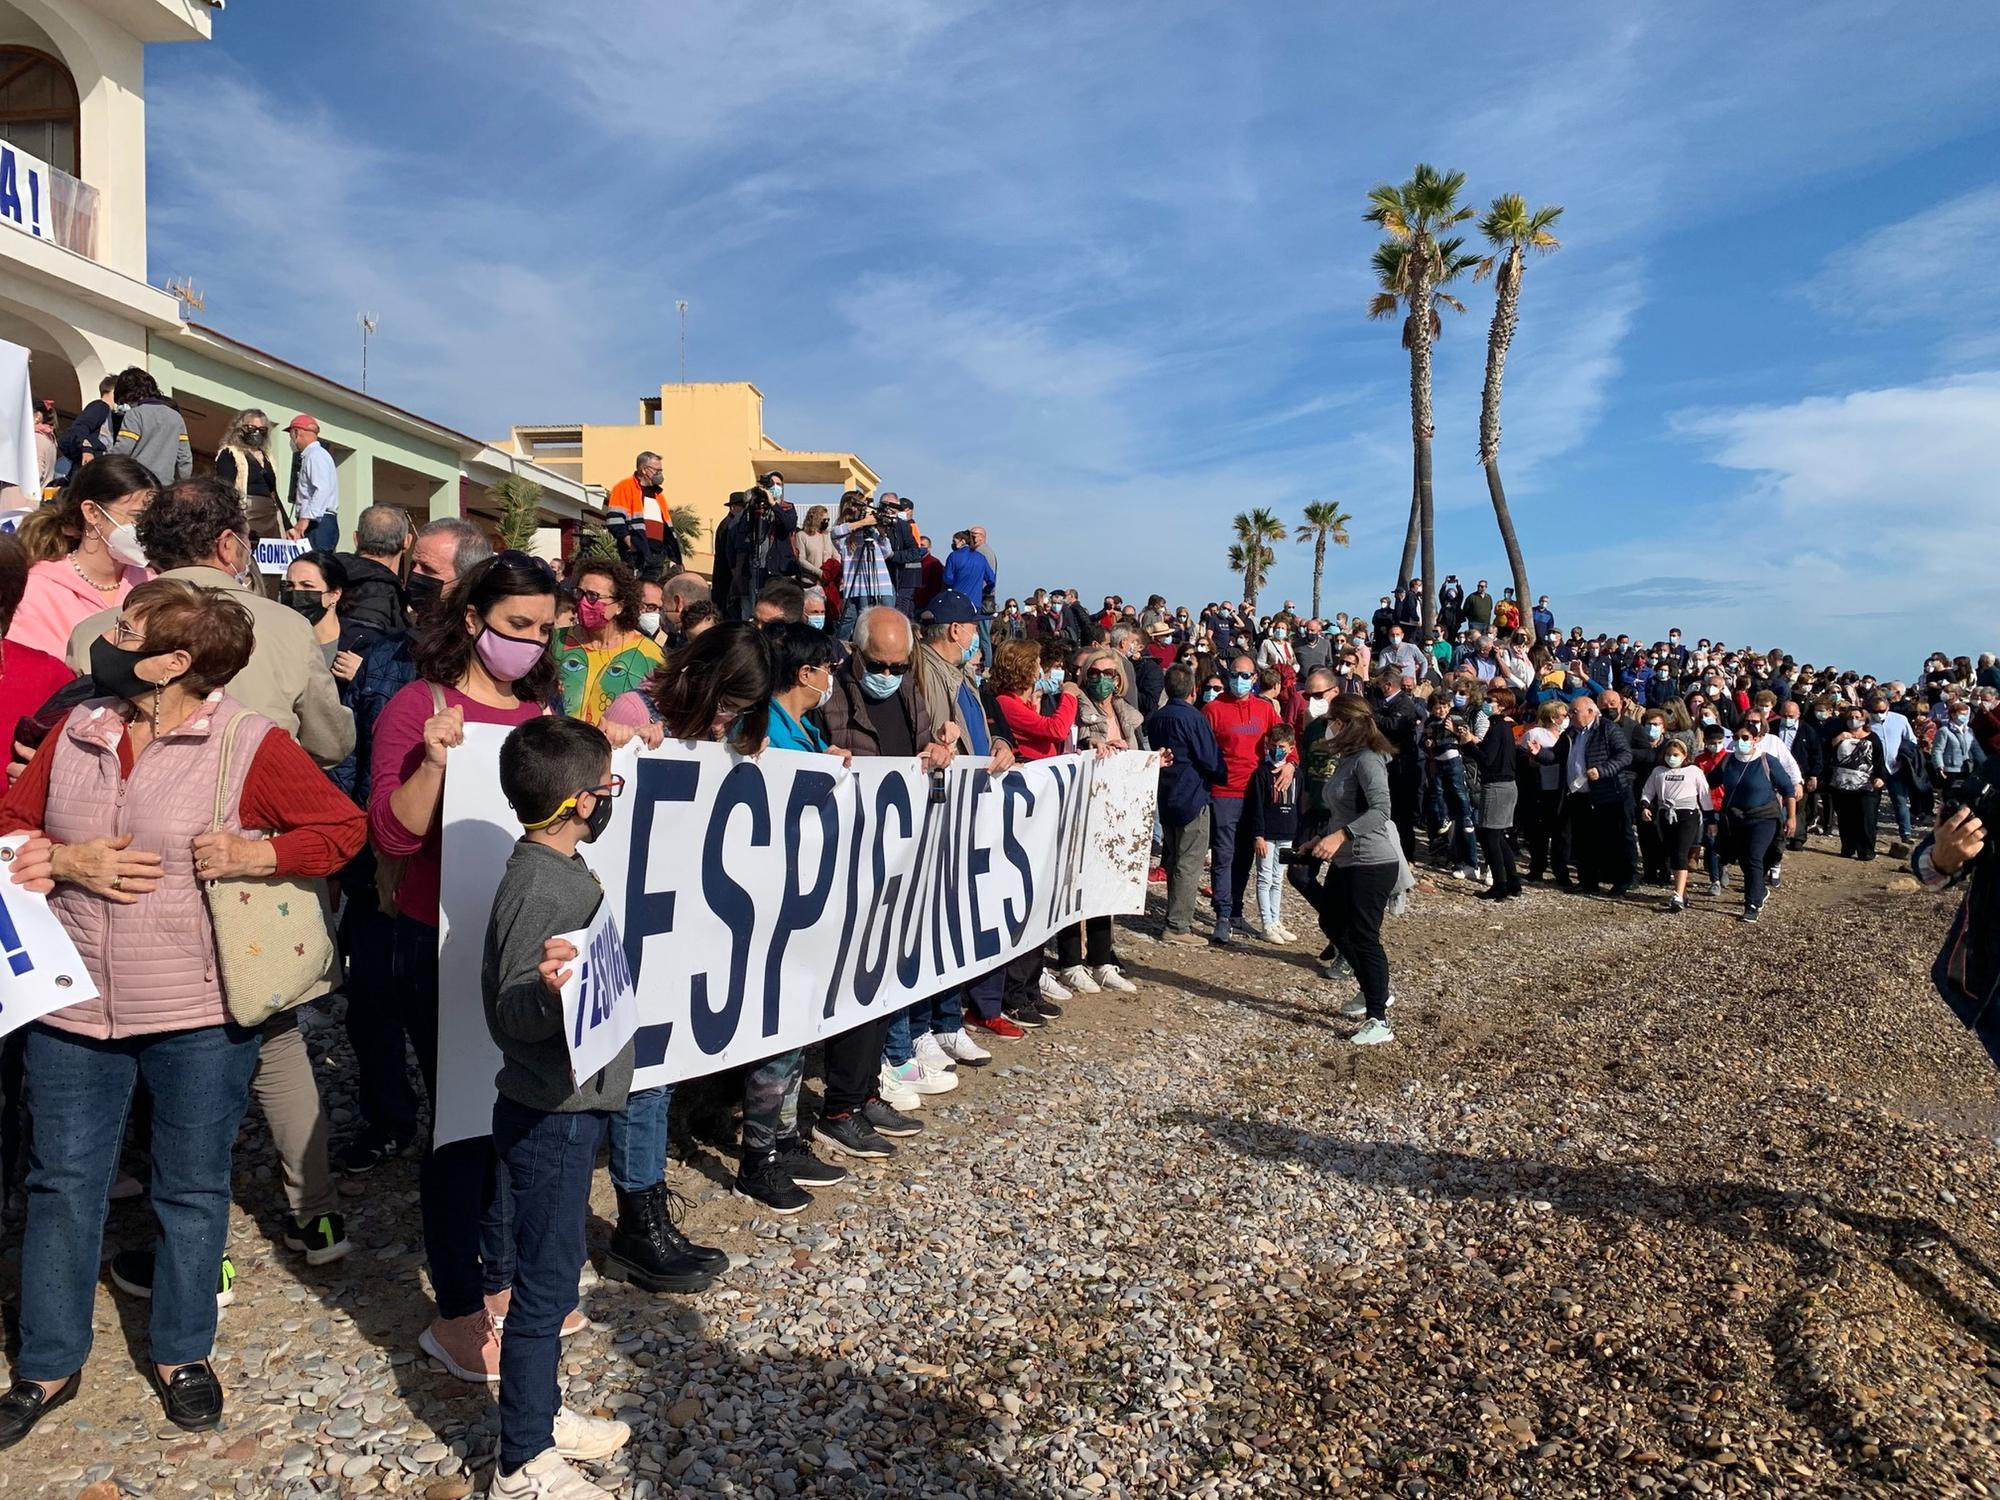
{"x":288,"y":1095}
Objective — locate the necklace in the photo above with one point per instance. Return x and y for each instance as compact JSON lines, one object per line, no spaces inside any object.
{"x":102,"y":588}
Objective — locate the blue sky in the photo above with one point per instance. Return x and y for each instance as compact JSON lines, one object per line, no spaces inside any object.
{"x":1095,"y":274}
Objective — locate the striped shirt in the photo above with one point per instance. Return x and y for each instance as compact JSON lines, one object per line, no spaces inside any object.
{"x":864,"y":565}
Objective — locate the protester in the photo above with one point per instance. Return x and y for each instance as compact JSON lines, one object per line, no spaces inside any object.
{"x":121,"y":808}
{"x":1595,"y":757}
{"x":1674,"y":802}
{"x":876,"y":709}
{"x":1355,"y":836}
{"x":27,"y":676}
{"x":862,"y":552}
{"x":242,"y":463}
{"x":1040,"y":710}
{"x":556,"y":775}
{"x":1857,"y":771}
{"x":1105,"y":724}
{"x":1240,"y":720}
{"x":314,"y":487}
{"x":89,"y":437}
{"x":374,"y":600}
{"x":97,"y":557}
{"x":604,"y":653}
{"x":150,"y":428}
{"x":812,"y":543}
{"x":636,"y":517}
{"x":483,"y":658}
{"x":1495,"y":755}
{"x":1754,"y":787}
{"x":1271,"y":820}
{"x":1190,"y":763}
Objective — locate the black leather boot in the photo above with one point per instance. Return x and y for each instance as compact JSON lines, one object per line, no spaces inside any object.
{"x":651,"y":1254}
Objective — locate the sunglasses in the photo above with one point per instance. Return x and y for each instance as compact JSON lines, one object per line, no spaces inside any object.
{"x":893,"y":668}
{"x":526,"y":560}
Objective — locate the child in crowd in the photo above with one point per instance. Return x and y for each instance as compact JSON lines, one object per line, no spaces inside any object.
{"x":1272,"y":818}
{"x":1714,"y":751}
{"x":1676,"y":802}
{"x":556,"y":774}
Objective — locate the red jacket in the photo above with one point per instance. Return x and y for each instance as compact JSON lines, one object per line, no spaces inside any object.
{"x":1037,"y":736}
{"x":1239,"y":725}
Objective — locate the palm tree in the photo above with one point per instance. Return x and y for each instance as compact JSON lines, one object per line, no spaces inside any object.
{"x":1512,"y":231}
{"x":1412,"y":264}
{"x":1257,"y":534}
{"x":1324,"y":521}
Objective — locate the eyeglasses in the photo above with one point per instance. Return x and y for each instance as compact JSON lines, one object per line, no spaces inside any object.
{"x":892,"y":668}
{"x":613,"y":789}
{"x":600,"y":598}
{"x":127,"y":636}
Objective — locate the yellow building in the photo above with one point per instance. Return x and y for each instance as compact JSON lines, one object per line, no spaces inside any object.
{"x":711,"y":441}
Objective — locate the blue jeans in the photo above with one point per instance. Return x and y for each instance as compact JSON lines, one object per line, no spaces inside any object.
{"x":1270,"y":882}
{"x":462,"y":1190}
{"x":1228,"y":865}
{"x":79,"y":1091}
{"x":549,"y":1159}
{"x":1452,"y":810}
{"x":323,"y":532}
{"x":1899,"y":800}
{"x":940,"y":1013}
{"x":639,"y":1141}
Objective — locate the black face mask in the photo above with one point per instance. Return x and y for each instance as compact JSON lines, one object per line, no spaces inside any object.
{"x":116,"y":671}
{"x":308,"y":602}
{"x":599,"y":819}
{"x":424,"y":592}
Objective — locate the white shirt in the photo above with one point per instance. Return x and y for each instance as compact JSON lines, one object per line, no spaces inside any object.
{"x":319,"y":484}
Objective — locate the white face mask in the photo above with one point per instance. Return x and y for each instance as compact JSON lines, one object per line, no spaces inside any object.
{"x":122,"y":542}
{"x":1316,"y":708}
{"x":649,"y":622}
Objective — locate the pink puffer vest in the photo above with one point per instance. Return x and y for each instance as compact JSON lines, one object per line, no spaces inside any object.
{"x":154,"y":960}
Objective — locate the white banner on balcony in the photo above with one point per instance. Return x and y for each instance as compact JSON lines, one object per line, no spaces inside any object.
{"x":26,"y":184}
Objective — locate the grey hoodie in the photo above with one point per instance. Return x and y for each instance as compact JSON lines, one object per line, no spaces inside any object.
{"x":153,"y":433}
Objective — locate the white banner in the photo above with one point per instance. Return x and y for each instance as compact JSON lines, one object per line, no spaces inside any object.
{"x":40,"y":969}
{"x":275,"y":554}
{"x":24,"y":191}
{"x":600,"y":1010}
{"x":769,"y":902}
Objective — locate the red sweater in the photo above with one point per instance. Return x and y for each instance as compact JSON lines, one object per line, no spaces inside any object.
{"x":27,"y":680}
{"x":1037,"y":736}
{"x":316,"y":829}
{"x":1239,"y":725}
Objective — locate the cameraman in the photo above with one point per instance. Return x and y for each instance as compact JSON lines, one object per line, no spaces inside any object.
{"x":907,"y":550}
{"x":774,"y":521}
{"x":859,"y":538}
{"x":1967,"y":968}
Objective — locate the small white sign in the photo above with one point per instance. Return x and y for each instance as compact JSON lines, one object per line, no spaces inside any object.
{"x":40,"y":969}
{"x":600,"y":1007}
{"x":275,"y":554}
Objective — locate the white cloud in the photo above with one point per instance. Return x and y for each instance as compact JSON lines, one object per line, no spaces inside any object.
{"x":1922,"y":266}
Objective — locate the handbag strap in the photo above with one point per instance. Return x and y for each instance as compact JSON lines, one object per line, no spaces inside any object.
{"x":222,"y":774}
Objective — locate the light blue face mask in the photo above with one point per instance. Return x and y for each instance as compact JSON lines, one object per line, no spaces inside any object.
{"x":1458,"y":700}
{"x":880,"y":685}
{"x":1209,"y":695}
{"x":818,"y":622}
{"x":1240,"y":683}
{"x":971,"y":646}
{"x":1055,"y":678}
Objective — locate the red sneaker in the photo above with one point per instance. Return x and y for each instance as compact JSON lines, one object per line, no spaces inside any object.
{"x":999,"y":1029}
{"x":1157,"y":875}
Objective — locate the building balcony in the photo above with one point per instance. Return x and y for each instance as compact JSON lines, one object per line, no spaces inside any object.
{"x":46,"y":203}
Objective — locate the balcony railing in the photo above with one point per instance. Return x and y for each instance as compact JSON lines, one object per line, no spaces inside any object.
{"x":40,"y":200}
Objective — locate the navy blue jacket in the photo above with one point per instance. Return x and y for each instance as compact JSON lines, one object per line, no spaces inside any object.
{"x":1184,"y":729}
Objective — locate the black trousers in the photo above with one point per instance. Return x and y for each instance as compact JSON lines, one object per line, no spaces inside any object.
{"x":1542,"y":825}
{"x":1857,"y":813}
{"x":853,"y":1066}
{"x":1753,"y":838}
{"x":1405,"y":798}
{"x":1021,"y":981}
{"x":1087,"y":942}
{"x":1498,"y":846}
{"x":1356,"y":896}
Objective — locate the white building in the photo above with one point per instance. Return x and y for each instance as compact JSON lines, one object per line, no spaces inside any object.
{"x":73,"y":269}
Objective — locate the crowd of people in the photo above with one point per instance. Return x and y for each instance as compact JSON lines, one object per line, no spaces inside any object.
{"x":178,"y":724}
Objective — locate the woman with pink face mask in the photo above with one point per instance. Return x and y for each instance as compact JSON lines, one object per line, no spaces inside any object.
{"x":483,"y":658}
{"x":604,"y":653}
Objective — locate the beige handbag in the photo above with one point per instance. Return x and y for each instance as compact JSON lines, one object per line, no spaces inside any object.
{"x":272,"y":944}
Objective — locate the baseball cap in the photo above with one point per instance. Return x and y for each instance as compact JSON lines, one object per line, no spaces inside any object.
{"x":303,"y":419}
{"x":949,"y":608}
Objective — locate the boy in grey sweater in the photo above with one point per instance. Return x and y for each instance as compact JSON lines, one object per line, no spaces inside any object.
{"x":556,"y":774}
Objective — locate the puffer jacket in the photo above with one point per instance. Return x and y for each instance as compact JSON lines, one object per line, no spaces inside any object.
{"x":153,"y":961}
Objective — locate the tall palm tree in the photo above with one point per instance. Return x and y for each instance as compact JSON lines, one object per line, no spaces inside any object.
{"x":1512,"y":230}
{"x":1324,"y":522}
{"x":1412,"y":264}
{"x":1257,"y":534}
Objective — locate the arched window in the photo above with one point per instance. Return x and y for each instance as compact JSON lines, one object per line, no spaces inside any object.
{"x":38,"y":110}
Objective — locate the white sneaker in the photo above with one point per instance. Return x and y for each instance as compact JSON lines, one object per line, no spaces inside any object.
{"x":546,"y":1476}
{"x":1108,"y":978}
{"x":1077,"y":977}
{"x":895,"y":1093}
{"x":590,"y":1438}
{"x":1373,"y":1034}
{"x":914,"y":1075}
{"x":960,"y":1047}
{"x":930,"y":1052}
{"x":1466,"y":872}
{"x":1277,"y":932}
{"x":1052,"y":987}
